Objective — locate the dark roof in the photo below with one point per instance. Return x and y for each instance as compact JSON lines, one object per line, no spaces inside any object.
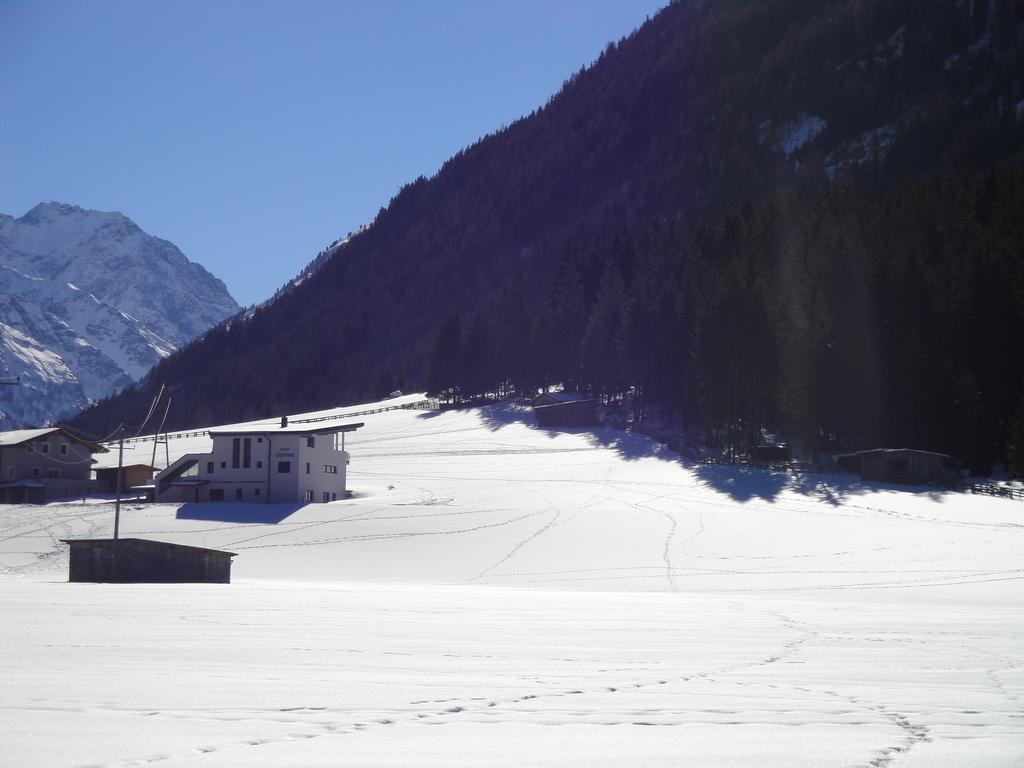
{"x":897,"y":450}
{"x":168,"y":544}
{"x":23,"y":483}
{"x":557,"y":397}
{"x":291,"y":429}
{"x":566,"y":404}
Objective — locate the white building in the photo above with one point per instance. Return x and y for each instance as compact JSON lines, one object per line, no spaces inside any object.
{"x":292,"y":463}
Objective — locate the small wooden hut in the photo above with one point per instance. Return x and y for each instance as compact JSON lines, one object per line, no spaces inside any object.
{"x":897,"y":465}
{"x":567,"y":414}
{"x":771,"y":453}
{"x":146,"y":561}
{"x":132,"y":476}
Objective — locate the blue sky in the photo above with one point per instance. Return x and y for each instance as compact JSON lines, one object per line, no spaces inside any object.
{"x":251,"y":134}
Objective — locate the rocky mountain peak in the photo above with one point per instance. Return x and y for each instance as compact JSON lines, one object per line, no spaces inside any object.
{"x":90,"y":303}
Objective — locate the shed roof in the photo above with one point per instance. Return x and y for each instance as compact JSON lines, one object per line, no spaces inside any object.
{"x":558,"y":397}
{"x":106,"y":465}
{"x":567,"y":403}
{"x":898,"y":450}
{"x":23,"y":483}
{"x":167,"y":544}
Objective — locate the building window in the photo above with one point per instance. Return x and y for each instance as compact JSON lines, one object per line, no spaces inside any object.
{"x":310,"y":442}
{"x":309,"y":496}
{"x":53,"y":472}
{"x":30,"y":447}
{"x":334,"y":497}
{"x":307,"y":467}
{"x":216,"y":494}
{"x":238,"y":494}
{"x":46,"y":447}
{"x":209,"y":467}
{"x":259,"y":465}
{"x":284,"y":467}
{"x":256,"y":492}
{"x":63,"y":449}
{"x":247,"y":452}
{"x":259,"y":439}
{"x":223,"y":465}
{"x":327,"y":497}
{"x":35,"y":471}
{"x":236,"y":445}
{"x":330,"y":469}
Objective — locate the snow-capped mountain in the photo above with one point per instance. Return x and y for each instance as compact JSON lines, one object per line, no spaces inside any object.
{"x":88,"y":303}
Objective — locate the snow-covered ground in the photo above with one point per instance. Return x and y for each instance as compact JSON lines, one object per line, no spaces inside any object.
{"x":495,"y":594}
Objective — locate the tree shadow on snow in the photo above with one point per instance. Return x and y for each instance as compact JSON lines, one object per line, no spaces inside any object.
{"x":738,"y":481}
{"x":629,"y":445}
{"x":743,"y":483}
{"x":237,"y":512}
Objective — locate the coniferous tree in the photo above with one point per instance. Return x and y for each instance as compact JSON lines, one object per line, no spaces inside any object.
{"x":444,"y":364}
{"x":1015,"y":445}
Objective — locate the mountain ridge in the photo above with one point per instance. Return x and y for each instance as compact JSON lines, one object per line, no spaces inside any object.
{"x":82,"y":315}
{"x":679,"y":121}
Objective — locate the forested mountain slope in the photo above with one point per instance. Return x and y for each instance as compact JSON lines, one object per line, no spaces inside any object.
{"x":809,"y":137}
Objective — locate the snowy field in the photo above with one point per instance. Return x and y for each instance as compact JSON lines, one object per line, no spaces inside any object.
{"x":498,"y":595}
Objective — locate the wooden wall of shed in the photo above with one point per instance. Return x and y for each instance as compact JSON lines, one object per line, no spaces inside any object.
{"x":579,"y":413}
{"x":133,"y":561}
{"x":911,"y":467}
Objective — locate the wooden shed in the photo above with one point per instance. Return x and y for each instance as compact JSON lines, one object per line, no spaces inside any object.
{"x":146,"y":561}
{"x":897,"y":465}
{"x":569,"y":414}
{"x":771,"y":453}
{"x":22,"y":492}
{"x":132,"y":475}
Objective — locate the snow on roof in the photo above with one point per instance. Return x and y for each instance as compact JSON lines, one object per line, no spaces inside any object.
{"x":558,"y":398}
{"x":579,"y":401}
{"x":19,"y":436}
{"x":316,"y":428}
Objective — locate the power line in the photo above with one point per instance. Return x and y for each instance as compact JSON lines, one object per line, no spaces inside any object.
{"x":152,"y":408}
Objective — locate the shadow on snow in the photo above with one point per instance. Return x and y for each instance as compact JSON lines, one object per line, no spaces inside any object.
{"x":237,"y":512}
{"x":740,"y":482}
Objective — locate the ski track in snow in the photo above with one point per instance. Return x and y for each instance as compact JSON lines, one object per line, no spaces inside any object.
{"x":490,"y":580}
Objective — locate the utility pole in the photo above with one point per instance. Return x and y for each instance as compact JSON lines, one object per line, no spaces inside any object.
{"x":157,"y":440}
{"x":120,"y":465}
{"x":11,"y":382}
{"x":117,"y":498}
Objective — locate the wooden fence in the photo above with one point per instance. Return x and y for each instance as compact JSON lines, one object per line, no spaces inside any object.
{"x":990,"y":489}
